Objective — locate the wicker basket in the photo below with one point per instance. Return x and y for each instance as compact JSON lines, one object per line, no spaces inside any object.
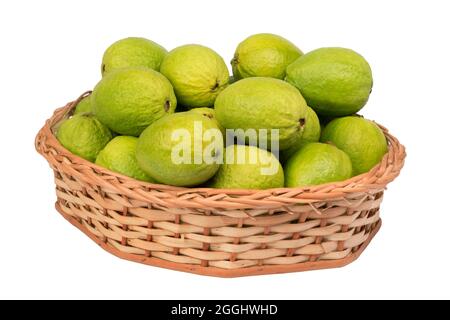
{"x":216,"y":232}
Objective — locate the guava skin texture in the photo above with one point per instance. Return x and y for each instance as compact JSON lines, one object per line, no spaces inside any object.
{"x":333,"y":81}
{"x":317,"y":163}
{"x":156,"y":145}
{"x":197,"y":73}
{"x":263,"y":103}
{"x":248,"y":175}
{"x":129,"y":100}
{"x":311,"y":133}
{"x":133,"y":52}
{"x":119,"y":155}
{"x":361,"y":139}
{"x":210,"y":114}
{"x":264,"y":55}
{"x":84,"y":106}
{"x":83,"y":135}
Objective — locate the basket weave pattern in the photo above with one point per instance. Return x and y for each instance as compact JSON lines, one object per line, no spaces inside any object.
{"x":215,"y":231}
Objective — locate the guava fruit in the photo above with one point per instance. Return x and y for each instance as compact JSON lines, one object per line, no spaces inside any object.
{"x":334,"y":81}
{"x":197,"y":73}
{"x":129,"y":100}
{"x":83,"y":135}
{"x":119,"y":155}
{"x":311,"y":133}
{"x":317,"y":163}
{"x":248,"y":167}
{"x":262,"y":103}
{"x":177,"y":150}
{"x":133,"y":52}
{"x":361,"y":139}
{"x":84,"y":106}
{"x":210,"y":114}
{"x":264,"y":55}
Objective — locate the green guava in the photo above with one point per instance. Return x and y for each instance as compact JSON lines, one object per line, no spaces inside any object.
{"x":262,"y":103}
{"x":264,"y":55}
{"x":133,"y":52}
{"x":84,"y":106}
{"x":197,"y":73}
{"x":361,"y":139}
{"x":317,"y":163}
{"x":83,"y":135}
{"x":248,"y":167}
{"x":334,"y":81}
{"x":119,"y":155}
{"x":210,"y":114}
{"x":311,"y":133}
{"x":129,"y":100}
{"x":177,"y":150}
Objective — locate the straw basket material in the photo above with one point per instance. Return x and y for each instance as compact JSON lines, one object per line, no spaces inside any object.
{"x":217,"y":232}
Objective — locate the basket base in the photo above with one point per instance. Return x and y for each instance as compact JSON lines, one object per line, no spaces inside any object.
{"x":223,"y":273}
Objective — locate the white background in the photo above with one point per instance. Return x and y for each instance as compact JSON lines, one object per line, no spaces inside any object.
{"x":50,"y":52}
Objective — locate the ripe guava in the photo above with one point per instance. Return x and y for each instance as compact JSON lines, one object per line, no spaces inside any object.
{"x":182,"y":149}
{"x":197,"y":73}
{"x":83,"y":135}
{"x":334,"y":81}
{"x":248,"y":167}
{"x":262,"y":104}
{"x":133,"y":52}
{"x":317,"y":163}
{"x":264,"y":55}
{"x":119,"y":155}
{"x":210,"y":114}
{"x":129,"y":100}
{"x":84,"y":106}
{"x":311,"y":133}
{"x":361,"y":139}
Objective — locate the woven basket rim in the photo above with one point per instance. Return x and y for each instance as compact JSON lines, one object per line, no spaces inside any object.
{"x":378,"y":177}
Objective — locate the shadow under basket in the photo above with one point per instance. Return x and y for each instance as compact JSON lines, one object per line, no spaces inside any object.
{"x":218,"y":232}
